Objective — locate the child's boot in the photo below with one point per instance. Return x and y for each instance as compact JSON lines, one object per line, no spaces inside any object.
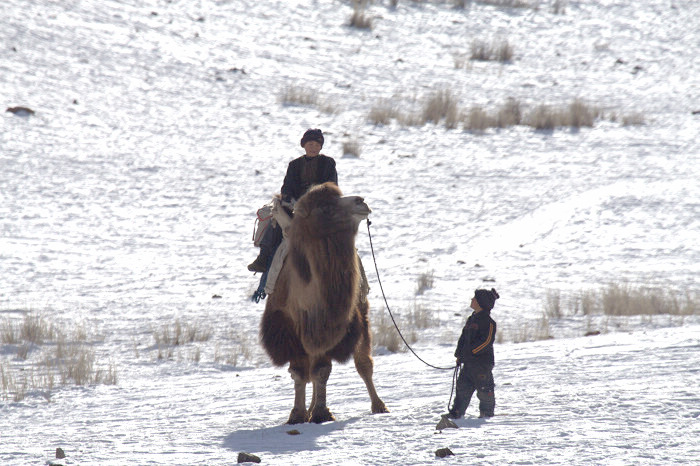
{"x":487,"y":403}
{"x":458,"y":408}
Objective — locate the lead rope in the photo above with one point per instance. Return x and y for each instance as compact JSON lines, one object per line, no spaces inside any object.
{"x":455,"y":367}
{"x":389,"y":309}
{"x":452,"y":390}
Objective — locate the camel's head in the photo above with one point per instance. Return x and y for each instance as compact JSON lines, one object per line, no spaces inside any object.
{"x":325,"y":210}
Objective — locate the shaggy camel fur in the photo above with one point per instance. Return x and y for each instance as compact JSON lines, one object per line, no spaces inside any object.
{"x":316,"y":313}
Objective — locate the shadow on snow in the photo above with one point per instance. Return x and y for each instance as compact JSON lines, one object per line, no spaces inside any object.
{"x":277,"y":440}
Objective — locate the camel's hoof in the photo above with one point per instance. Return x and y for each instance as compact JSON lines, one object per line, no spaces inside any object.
{"x":379,"y":407}
{"x":297,"y":416}
{"x":321,"y":415}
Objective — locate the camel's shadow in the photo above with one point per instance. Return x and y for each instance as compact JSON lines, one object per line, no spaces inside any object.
{"x":277,"y":439}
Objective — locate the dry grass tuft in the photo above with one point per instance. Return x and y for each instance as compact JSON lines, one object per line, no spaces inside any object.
{"x":497,"y":50}
{"x":578,"y":114}
{"x":181,"y":334}
{"x":584,"y":303}
{"x":509,"y":114}
{"x":525,"y":331}
{"x":417,"y":317}
{"x":359,"y":18}
{"x":35,"y":329}
{"x":552,"y":308}
{"x":559,"y":7}
{"x":477,"y":120}
{"x":441,"y":105}
{"x":383,"y":113}
{"x":425,"y":282}
{"x":613,"y":304}
{"x":240,"y":348}
{"x":511,"y":3}
{"x":295,"y":95}
{"x":387,"y":110}
{"x":543,"y":118}
{"x":460,"y":60}
{"x":622,"y":299}
{"x":46,"y":353}
{"x":581,"y":114}
{"x":8,"y":333}
{"x":421,"y":317}
{"x":352,"y":148}
{"x":384,"y":334}
{"x":633,"y":119}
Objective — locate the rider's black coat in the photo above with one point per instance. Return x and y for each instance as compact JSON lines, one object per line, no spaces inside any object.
{"x":295,"y":185}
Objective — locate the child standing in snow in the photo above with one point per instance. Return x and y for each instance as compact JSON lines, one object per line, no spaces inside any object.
{"x":475,"y":354}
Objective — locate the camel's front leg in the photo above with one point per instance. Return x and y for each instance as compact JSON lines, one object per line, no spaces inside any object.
{"x":313,"y":398}
{"x":298,"y":414}
{"x":319,"y":412}
{"x":365,"y":367}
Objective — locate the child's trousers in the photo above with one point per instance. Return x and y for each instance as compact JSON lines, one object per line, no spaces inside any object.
{"x":474,"y":378}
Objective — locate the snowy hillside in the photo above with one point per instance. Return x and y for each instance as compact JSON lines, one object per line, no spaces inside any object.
{"x":127,"y":201}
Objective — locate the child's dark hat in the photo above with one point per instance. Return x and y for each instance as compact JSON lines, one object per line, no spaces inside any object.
{"x":312,"y":135}
{"x":486,"y":298}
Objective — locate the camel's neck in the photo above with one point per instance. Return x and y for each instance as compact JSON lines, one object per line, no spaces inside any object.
{"x":335,"y":262}
{"x":335,"y":255}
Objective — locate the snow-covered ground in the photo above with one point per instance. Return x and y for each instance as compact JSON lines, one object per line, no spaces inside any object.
{"x":127,"y":200}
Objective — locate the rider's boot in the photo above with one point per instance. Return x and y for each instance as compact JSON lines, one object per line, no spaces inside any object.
{"x":260,"y":262}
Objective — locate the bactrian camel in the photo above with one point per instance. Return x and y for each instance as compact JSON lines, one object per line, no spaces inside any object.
{"x":316,"y":313}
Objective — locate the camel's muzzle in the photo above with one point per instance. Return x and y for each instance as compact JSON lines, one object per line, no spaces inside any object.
{"x":356,"y":204}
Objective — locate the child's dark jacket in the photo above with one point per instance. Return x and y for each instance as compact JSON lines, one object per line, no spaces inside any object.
{"x":475,"y":346}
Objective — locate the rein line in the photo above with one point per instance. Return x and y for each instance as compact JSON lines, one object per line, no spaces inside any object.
{"x":392,"y":315}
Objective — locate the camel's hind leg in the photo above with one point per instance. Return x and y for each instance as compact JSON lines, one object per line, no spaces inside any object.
{"x":299,"y":371}
{"x":365,"y":367}
{"x":318,"y":411}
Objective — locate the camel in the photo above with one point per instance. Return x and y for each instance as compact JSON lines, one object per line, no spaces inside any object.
{"x":316,"y":313}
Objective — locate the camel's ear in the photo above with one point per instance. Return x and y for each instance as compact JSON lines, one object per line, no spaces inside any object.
{"x":280,"y":215}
